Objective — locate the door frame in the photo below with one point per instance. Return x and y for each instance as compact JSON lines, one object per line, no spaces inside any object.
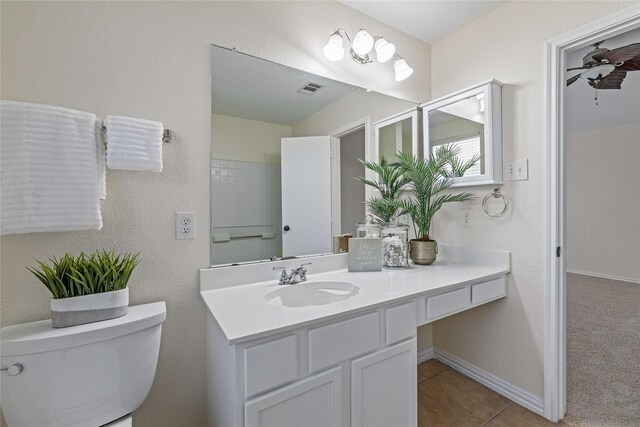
{"x":555,"y":356}
{"x":336,"y":134}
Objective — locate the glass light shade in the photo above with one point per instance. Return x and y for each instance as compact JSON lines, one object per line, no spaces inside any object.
{"x":402,"y":69}
{"x":362,"y":43}
{"x":384,"y":50}
{"x":594,"y":72}
{"x":333,"y":50}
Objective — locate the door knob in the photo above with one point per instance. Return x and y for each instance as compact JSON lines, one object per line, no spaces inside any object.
{"x":286,"y":228}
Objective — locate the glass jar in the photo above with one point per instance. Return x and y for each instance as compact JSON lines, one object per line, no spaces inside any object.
{"x":368,"y":228}
{"x":395,"y":245}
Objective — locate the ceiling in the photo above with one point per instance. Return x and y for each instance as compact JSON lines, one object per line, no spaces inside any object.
{"x":616,"y":107}
{"x":252,"y":88}
{"x":428,"y":21}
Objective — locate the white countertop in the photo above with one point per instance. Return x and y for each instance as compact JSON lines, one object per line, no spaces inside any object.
{"x":243,"y":314}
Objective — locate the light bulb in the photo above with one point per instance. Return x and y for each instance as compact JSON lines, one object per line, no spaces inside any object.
{"x":402,"y":69}
{"x":362,"y":43}
{"x":384,"y":50}
{"x":599,"y":70}
{"x":333,"y":50}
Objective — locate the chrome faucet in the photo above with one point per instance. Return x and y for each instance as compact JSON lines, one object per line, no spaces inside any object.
{"x":297,"y":275}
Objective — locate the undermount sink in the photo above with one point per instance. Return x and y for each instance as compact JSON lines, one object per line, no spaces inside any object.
{"x":311,"y":293}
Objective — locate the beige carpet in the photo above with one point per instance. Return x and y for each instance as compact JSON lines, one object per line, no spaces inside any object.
{"x":603,"y":352}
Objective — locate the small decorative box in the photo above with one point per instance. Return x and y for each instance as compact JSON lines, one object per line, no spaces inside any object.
{"x":365,"y":254}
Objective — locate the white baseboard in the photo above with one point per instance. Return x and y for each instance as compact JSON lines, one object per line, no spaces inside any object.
{"x":604,"y":276}
{"x":518,"y":395}
{"x":425,"y":354}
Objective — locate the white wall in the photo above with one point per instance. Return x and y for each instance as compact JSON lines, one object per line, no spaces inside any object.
{"x":152,"y":60}
{"x":505,"y":338}
{"x":233,"y":138}
{"x":603,"y":202}
{"x":350,"y":108}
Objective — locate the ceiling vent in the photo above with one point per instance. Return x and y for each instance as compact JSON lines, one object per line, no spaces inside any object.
{"x":310,"y":88}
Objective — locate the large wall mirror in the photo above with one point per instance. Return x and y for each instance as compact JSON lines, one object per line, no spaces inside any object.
{"x":470,"y":119}
{"x":284,"y":157}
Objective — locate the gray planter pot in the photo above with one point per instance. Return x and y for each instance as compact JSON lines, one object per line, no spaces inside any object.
{"x":423,"y":252}
{"x":89,"y":308}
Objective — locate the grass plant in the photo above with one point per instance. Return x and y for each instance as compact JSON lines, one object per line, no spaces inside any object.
{"x":97,"y":272}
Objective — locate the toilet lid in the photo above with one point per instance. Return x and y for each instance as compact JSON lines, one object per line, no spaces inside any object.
{"x":38,"y":337}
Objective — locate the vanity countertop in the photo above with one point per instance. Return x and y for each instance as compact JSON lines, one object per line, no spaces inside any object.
{"x":243,"y":314}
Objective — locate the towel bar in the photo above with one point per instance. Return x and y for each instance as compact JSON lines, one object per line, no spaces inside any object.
{"x":167,"y":135}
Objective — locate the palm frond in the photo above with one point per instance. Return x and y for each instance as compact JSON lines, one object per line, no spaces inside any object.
{"x":428,"y":179}
{"x":390,"y":184}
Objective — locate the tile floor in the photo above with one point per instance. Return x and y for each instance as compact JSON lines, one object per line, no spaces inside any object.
{"x":448,"y":398}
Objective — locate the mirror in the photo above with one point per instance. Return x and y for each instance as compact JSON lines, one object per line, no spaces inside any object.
{"x":262,"y":113}
{"x":399,"y":133}
{"x":472,"y":120}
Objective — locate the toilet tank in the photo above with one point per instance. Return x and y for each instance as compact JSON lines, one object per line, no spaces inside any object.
{"x":86,"y":375}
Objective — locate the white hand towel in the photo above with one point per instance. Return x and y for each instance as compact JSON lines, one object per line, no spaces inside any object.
{"x":102,"y":166}
{"x":134,"y":144}
{"x":48,"y":169}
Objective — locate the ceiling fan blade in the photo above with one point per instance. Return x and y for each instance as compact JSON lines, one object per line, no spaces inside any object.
{"x":630,"y":65}
{"x":573,"y":79}
{"x":620,"y":54}
{"x":611,"y":81}
{"x":578,"y":68}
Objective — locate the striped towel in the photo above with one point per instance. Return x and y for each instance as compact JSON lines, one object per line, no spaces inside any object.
{"x":48,"y":169}
{"x":134,"y":144}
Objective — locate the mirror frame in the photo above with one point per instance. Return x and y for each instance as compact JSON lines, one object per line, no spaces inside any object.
{"x":492,"y":154}
{"x":415,"y":114}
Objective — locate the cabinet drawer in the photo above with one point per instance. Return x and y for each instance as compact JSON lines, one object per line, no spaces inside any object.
{"x":343,"y":340}
{"x":400,"y":322}
{"x":448,"y":303}
{"x":270,"y":364}
{"x":489,"y":290}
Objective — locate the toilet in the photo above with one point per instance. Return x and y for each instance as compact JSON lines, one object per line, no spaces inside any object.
{"x":89,"y":375}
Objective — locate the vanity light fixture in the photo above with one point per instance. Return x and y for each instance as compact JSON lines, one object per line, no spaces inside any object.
{"x":365,"y":49}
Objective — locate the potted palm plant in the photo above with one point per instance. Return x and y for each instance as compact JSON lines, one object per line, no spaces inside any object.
{"x":390,"y":185}
{"x":87,"y":288}
{"x":429,"y":178}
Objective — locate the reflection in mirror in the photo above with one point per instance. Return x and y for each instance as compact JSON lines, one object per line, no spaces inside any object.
{"x":400,"y":133}
{"x":274,"y":128}
{"x":460,"y":123}
{"x":471,"y":119}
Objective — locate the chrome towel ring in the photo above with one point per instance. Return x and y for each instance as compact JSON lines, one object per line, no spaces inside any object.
{"x":497,"y":194}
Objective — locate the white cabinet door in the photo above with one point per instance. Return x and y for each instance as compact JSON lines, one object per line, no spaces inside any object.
{"x":315,"y":401}
{"x":384,"y":387}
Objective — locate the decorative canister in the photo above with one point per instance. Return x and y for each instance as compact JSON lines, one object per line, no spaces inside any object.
{"x":395,"y":245}
{"x":368,"y":228}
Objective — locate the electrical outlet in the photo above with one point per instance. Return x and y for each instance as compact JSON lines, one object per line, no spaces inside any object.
{"x":467,"y":217}
{"x":185,"y":225}
{"x":518,"y":170}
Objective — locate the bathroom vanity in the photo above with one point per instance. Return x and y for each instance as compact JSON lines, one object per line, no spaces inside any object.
{"x":340,"y":349}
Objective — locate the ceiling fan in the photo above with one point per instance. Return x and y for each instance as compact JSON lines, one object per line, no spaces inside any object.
{"x":606,"y":69}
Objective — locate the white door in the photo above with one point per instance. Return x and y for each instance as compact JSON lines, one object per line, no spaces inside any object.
{"x":384,"y":388}
{"x":306,"y":195}
{"x":312,"y":402}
